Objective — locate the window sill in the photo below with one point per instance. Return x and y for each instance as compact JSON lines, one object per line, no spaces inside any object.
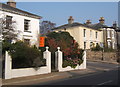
{"x":27,"y":31}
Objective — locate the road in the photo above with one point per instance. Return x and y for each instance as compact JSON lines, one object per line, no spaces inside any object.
{"x":0,"y":72}
{"x":106,"y":74}
{"x":0,"y":68}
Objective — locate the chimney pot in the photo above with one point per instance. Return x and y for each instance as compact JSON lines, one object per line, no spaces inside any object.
{"x":70,"y":20}
{"x":102,"y":20}
{"x":88,"y":22}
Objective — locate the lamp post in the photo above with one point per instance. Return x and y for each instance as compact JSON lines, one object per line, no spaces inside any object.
{"x":103,"y":52}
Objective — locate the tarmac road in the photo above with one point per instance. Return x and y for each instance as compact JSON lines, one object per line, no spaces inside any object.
{"x":102,"y":78}
{"x":107,"y":74}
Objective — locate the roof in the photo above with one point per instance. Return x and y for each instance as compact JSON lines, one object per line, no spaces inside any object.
{"x":7,"y":8}
{"x":75,"y":24}
{"x":98,"y":26}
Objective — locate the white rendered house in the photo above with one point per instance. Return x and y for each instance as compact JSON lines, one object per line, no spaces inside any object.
{"x":27,"y":24}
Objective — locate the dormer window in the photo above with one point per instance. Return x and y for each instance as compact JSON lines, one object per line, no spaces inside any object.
{"x":26,"y":25}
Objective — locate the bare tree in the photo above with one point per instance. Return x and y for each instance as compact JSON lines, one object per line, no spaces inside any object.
{"x":46,"y":26}
{"x":8,"y":31}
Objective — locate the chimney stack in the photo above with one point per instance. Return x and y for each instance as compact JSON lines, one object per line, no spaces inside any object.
{"x":115,"y":25}
{"x":102,"y":20}
{"x":70,"y":20}
{"x":88,"y":22}
{"x":11,"y":3}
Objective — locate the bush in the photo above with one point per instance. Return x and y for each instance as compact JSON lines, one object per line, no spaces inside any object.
{"x":68,"y":45}
{"x":97,"y":48}
{"x":24,"y":56}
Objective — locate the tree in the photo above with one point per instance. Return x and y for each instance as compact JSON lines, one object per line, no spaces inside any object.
{"x":8,"y":30}
{"x":68,"y":45}
{"x":46,"y":26}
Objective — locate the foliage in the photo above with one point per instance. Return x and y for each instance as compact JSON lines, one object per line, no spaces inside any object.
{"x":5,"y":46}
{"x":68,"y":45}
{"x":97,"y":48}
{"x":24,"y":56}
{"x":72,"y":62}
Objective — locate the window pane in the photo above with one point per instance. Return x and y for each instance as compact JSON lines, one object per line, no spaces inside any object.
{"x":26,"y":25}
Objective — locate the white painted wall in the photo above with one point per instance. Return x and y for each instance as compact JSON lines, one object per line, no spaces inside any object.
{"x":19,"y":25}
{"x":59,"y":55}
{"x":14,"y":73}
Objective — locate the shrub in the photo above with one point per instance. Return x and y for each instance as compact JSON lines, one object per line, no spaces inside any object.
{"x":24,"y":56}
{"x":97,"y":48}
{"x":68,"y":45}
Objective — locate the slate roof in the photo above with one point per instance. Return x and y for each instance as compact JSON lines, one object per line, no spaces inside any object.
{"x":75,"y":24}
{"x":98,"y":26}
{"x":7,"y":8}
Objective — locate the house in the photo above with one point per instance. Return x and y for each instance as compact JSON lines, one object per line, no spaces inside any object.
{"x":85,"y":35}
{"x":109,"y":33}
{"x":27,"y":24}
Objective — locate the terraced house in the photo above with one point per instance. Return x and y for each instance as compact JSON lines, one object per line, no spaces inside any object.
{"x":109,"y":33}
{"x":27,"y":24}
{"x":89,"y":35}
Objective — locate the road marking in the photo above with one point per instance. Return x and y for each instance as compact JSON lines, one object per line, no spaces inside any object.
{"x":30,"y":80}
{"x":105,"y":82}
{"x":118,"y":66}
{"x":106,"y":69}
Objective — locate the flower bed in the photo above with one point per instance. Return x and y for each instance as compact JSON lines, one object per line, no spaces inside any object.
{"x":71,"y":62}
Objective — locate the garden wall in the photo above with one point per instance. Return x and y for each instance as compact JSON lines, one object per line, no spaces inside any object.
{"x":13,"y":73}
{"x":59,"y":55}
{"x":99,"y":55}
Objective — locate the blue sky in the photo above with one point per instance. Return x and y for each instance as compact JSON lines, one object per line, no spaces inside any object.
{"x":59,"y":12}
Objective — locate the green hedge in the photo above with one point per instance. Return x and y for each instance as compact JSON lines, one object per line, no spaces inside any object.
{"x":24,"y":56}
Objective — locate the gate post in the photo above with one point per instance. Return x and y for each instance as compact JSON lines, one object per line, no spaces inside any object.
{"x":47,"y":56}
{"x":84,"y":60}
{"x":59,"y":57}
{"x":8,"y":66}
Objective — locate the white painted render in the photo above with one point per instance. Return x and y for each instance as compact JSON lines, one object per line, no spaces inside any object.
{"x":14,"y":73}
{"x":59,"y":56}
{"x":19,"y":26}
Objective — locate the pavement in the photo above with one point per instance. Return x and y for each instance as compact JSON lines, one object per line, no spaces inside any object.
{"x":103,"y":61}
{"x":29,"y":80}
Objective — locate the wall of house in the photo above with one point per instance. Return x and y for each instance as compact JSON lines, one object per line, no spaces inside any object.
{"x":110,"y":38}
{"x":19,"y":25}
{"x":118,"y":33}
{"x":90,"y":38}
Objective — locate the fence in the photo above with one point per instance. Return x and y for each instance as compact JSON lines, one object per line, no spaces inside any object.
{"x":13,"y":73}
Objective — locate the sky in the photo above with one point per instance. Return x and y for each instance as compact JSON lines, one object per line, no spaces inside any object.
{"x":59,"y":12}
